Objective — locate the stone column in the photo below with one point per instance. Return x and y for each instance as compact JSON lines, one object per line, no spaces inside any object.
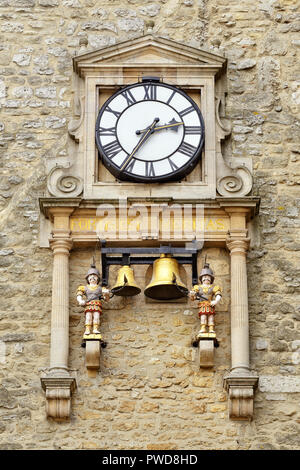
{"x":241,"y":381}
{"x":59,"y":352}
{"x":239,"y":305}
{"x":58,"y":382}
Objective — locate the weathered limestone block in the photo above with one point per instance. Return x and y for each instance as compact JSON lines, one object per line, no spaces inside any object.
{"x":279,"y":384}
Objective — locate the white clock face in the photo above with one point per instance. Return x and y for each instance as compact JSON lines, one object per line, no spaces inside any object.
{"x":150,"y":132}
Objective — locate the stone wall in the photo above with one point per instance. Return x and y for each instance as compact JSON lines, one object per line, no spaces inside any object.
{"x":149,"y":393}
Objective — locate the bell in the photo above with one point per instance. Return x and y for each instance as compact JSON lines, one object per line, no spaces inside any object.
{"x":165,"y":283}
{"x":125,"y":285}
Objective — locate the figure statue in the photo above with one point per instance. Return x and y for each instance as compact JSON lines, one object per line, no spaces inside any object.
{"x":209,"y":295}
{"x":90,"y":296}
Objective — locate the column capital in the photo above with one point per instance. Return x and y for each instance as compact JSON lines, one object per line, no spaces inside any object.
{"x":61,"y":245}
{"x":61,"y":211}
{"x":238,"y":245}
{"x":237,"y":210}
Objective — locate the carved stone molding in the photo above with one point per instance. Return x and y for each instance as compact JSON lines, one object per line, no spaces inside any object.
{"x":241,"y":395}
{"x":234,"y":177}
{"x":235,"y":181}
{"x":61,"y":245}
{"x":61,"y":183}
{"x":58,"y":396}
{"x":239,"y":246}
{"x":75,"y":125}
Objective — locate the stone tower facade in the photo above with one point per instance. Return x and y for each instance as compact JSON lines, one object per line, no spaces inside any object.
{"x":149,"y":392}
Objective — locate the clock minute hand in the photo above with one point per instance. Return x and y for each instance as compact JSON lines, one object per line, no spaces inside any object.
{"x":173,"y":125}
{"x":148,"y":131}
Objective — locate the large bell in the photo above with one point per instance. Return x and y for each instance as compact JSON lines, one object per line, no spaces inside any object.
{"x":165,"y":283}
{"x":125,"y":285}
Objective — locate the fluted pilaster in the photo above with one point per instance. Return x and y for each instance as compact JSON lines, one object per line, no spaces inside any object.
{"x":241,"y":381}
{"x":57,"y":382}
{"x":239,"y":304}
{"x":60,"y":305}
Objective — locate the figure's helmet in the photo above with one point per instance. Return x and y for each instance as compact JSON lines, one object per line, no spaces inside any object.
{"x":93,"y":270}
{"x":206,"y":271}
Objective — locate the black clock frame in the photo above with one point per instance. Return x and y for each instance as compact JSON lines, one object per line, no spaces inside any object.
{"x":176,"y":175}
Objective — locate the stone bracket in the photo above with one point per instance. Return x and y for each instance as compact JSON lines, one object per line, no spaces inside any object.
{"x":241,"y":395}
{"x":206,"y":352}
{"x":92,"y":356}
{"x":58,"y":396}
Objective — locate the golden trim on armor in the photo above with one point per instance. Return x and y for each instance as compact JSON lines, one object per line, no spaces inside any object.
{"x":90,"y":287}
{"x":81,"y":290}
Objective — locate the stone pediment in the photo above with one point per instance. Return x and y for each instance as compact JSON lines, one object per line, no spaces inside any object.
{"x":148,"y":50}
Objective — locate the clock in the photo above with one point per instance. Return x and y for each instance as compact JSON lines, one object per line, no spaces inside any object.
{"x":150,"y":132}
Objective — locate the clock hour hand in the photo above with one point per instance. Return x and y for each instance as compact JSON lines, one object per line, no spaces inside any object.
{"x":148,"y":131}
{"x":172,"y":125}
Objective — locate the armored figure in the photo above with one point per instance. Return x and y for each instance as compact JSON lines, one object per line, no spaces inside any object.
{"x":90,"y":297}
{"x":208,"y":295}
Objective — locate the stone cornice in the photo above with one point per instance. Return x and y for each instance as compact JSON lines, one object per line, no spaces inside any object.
{"x":247,"y":202}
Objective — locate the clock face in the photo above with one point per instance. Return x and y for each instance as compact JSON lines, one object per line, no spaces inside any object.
{"x":150,"y":132}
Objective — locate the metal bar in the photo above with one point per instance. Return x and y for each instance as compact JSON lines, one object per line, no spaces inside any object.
{"x":194,"y":269}
{"x":151,"y":259}
{"x":116,"y":260}
{"x":161,"y":250}
{"x":126,"y":258}
{"x":105,"y":270}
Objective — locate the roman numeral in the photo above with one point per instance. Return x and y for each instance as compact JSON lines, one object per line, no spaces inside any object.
{"x":187,"y":149}
{"x":150,"y":92}
{"x":109,"y":110}
{"x":128,"y":97}
{"x":130,"y":166}
{"x":172,"y":165}
{"x":185,"y":111}
{"x":171,"y":97}
{"x":107,"y":131}
{"x":112,"y":149}
{"x":150,"y":169}
{"x":192,"y":130}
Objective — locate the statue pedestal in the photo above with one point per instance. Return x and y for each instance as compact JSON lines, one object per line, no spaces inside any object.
{"x":92,"y":354}
{"x":206,"y":352}
{"x":206,"y":343}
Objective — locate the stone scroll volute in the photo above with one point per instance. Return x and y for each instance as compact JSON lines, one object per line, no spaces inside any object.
{"x":234,"y":175}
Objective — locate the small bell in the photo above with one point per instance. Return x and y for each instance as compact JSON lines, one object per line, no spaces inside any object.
{"x":125,"y":285}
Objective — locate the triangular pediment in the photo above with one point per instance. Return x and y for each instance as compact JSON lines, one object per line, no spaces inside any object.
{"x":148,"y":50}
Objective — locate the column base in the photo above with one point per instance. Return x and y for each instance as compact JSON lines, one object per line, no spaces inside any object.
{"x":240,"y":387}
{"x":58,"y":396}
